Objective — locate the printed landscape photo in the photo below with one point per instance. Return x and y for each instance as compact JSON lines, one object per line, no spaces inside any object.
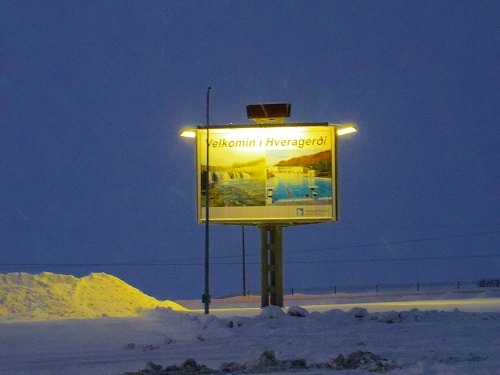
{"x":301,"y":180}
{"x":237,"y":185}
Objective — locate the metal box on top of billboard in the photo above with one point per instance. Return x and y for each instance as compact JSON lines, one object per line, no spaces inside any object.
{"x":259,"y":174}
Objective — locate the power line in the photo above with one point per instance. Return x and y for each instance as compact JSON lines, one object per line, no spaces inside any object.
{"x":416,"y":240}
{"x":102,"y":230}
{"x":376,"y":244}
{"x":149,"y":264}
{"x":197,"y":261}
{"x":330,"y":248}
{"x":220,"y":228}
{"x":396,"y":259}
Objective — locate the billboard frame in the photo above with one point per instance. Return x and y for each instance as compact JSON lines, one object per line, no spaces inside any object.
{"x":331,"y":208}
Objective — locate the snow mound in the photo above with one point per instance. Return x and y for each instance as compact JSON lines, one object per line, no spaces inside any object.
{"x":272,"y":312}
{"x":46,"y":296}
{"x":298,"y":311}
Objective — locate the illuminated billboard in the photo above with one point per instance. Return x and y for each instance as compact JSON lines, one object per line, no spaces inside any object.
{"x":267,"y":174}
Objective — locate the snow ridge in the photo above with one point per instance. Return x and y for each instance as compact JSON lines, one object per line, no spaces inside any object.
{"x":47,"y":296}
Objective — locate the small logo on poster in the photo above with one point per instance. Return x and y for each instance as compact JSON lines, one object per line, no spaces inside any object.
{"x":300,"y":212}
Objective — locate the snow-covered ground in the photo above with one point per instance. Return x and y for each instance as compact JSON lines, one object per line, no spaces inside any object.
{"x":57,"y":324}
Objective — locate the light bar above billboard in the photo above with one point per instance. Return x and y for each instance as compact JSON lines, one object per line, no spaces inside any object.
{"x":267,"y":174}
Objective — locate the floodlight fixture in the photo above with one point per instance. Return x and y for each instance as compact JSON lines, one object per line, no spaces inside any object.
{"x":273,"y":113}
{"x":346,"y":129}
{"x":188,"y":133}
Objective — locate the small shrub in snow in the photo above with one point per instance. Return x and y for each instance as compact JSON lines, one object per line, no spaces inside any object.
{"x":130,"y":345}
{"x":363,"y":360}
{"x":298,"y":311}
{"x":272,"y":312}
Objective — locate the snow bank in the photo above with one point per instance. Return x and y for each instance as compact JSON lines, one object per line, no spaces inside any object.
{"x":399,"y":342}
{"x":354,"y":341}
{"x":46,"y":296}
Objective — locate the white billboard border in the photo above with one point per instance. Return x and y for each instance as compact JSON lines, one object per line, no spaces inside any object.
{"x":259,"y":221}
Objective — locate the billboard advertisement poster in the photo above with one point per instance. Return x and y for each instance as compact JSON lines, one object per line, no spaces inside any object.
{"x":267,"y":174}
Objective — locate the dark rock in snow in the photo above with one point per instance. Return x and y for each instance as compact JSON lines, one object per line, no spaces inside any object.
{"x":298,"y":311}
{"x":232,"y":367}
{"x":358,"y":312}
{"x":189,"y":364}
{"x":268,"y":363}
{"x":268,"y":359}
{"x":388,"y":317}
{"x":153,"y":367}
{"x":360,"y":359}
{"x":298,"y":363}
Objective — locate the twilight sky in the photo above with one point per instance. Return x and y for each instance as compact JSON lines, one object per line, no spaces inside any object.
{"x":95,"y":178}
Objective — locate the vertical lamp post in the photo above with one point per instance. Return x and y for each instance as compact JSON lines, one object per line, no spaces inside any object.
{"x":206,"y":295}
{"x":243,"y":260}
{"x":190,"y":133}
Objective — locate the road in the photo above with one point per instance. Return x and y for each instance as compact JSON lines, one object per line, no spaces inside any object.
{"x":469,"y":305}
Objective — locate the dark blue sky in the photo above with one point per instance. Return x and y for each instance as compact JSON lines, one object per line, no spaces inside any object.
{"x":93,"y":172}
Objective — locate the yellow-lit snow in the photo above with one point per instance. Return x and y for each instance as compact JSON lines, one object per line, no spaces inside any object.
{"x":47,"y":296}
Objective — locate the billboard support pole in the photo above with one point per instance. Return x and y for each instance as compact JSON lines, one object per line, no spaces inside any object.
{"x":264,"y":262}
{"x":243,"y":260}
{"x":271,"y":263}
{"x":206,"y":295}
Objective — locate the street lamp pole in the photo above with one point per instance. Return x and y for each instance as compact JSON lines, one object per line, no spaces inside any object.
{"x":206,"y":296}
{"x":243,"y":260}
